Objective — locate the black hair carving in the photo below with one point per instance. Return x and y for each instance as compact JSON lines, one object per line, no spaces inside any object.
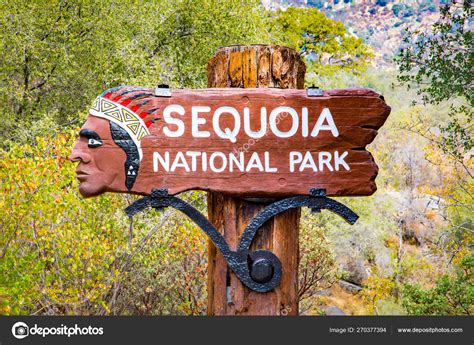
{"x":132,"y":163}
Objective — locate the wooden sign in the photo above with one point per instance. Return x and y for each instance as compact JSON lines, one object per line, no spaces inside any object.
{"x":248,"y":142}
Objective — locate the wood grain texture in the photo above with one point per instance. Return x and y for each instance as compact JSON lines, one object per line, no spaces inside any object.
{"x":263,"y":66}
{"x":271,"y":65}
{"x":235,"y":68}
{"x":217,"y":69}
{"x":280,"y":235}
{"x":249,"y":67}
{"x":231,"y":215}
{"x":357,"y":113}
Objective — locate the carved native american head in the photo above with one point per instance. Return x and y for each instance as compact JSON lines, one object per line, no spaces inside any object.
{"x":109,"y":148}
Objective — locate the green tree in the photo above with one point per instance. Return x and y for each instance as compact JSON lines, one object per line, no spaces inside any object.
{"x":316,"y":3}
{"x":58,"y":55}
{"x":187,"y":33}
{"x":325,"y":43}
{"x":440,"y":62}
{"x":396,"y":9}
{"x":450,"y":296}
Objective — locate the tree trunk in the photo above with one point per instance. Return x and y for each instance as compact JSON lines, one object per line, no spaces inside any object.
{"x":250,"y":67}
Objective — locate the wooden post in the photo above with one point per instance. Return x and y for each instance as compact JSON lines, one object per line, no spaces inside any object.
{"x":251,"y":67}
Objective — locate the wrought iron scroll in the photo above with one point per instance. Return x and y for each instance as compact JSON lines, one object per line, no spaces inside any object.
{"x":259,"y":270}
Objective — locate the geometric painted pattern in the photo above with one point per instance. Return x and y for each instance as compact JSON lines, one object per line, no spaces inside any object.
{"x":122,"y":116}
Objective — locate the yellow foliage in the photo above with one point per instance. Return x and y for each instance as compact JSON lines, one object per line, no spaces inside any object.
{"x":57,"y":248}
{"x":376,"y":288}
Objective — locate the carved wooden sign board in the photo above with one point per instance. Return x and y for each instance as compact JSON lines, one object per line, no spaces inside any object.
{"x":248,"y":142}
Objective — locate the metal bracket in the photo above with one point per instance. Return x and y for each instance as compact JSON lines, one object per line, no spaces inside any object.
{"x":259,"y":270}
{"x":163,"y":90}
{"x":314,"y":91}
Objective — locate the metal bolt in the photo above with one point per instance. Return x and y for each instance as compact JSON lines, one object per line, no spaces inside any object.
{"x":261,"y":270}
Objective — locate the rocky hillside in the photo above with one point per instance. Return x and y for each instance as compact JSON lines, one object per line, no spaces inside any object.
{"x":379,"y":22}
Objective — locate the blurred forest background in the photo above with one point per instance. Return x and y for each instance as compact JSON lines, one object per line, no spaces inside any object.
{"x":411,"y":250}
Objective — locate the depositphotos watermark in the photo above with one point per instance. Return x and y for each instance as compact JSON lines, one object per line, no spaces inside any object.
{"x":21,"y":330}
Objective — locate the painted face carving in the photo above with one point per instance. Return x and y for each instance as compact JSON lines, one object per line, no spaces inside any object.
{"x":109,"y":146}
{"x":101,"y":160}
